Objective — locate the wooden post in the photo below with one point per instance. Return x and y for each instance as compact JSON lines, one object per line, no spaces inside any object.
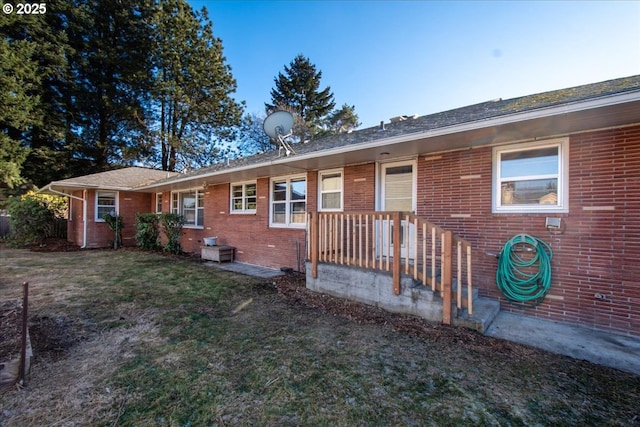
{"x":446,"y":277}
{"x":459,"y":273}
{"x":469,"y":284}
{"x":396,"y":252}
{"x":22,"y":374}
{"x":315,"y":223}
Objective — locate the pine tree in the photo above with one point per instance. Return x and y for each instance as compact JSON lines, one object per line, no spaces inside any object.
{"x":192,"y":102}
{"x":110,"y":71}
{"x":299,"y":89}
{"x":48,"y":158}
{"x":19,"y":80}
{"x":343,"y":119}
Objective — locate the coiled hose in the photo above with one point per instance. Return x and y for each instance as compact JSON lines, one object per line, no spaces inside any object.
{"x":524,"y":281}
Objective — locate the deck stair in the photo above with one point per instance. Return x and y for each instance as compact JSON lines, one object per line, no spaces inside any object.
{"x":438,"y":261}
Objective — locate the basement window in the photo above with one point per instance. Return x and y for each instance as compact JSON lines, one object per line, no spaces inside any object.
{"x":531,"y":177}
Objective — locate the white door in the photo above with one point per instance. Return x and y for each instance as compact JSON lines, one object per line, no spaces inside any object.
{"x":398,"y":193}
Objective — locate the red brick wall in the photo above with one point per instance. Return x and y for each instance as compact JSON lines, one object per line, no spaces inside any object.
{"x":597,"y":254}
{"x":98,"y":233}
{"x":360,"y":187}
{"x":255,"y":242}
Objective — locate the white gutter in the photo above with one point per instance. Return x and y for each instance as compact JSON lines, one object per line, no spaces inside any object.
{"x":431,"y":133}
{"x":60,"y":193}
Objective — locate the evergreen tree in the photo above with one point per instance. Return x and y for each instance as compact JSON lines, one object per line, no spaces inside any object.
{"x":343,"y":119}
{"x":192,"y":104}
{"x":299,"y":89}
{"x":48,"y":159}
{"x":110,"y":69}
{"x":19,"y":80}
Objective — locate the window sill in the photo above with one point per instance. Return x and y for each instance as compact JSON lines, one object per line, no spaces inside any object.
{"x":289,"y":226}
{"x":530,"y":211}
{"x":242,"y":213}
{"x":194,"y":227}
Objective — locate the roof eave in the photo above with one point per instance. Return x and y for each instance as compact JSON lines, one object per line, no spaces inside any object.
{"x":427,"y":134}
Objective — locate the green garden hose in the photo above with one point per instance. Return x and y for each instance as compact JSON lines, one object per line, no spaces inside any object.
{"x":524,"y":281}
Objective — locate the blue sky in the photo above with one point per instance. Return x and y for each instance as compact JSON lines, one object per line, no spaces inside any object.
{"x":391,"y":58}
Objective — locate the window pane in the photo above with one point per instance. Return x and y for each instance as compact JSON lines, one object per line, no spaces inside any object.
{"x":189,"y":201}
{"x":237,"y":191}
{"x":103,"y":210}
{"x":298,"y":212}
{"x":237,"y":204}
{"x":279,"y":213}
{"x":542,"y":161}
{"x":279,"y":191}
{"x":189,"y":216}
{"x":250,"y":190}
{"x":251,"y":203}
{"x":298,"y":190}
{"x":531,"y":192}
{"x":331,"y":201}
{"x":332,"y":182}
{"x":200,"y":217}
{"x":106,"y":199}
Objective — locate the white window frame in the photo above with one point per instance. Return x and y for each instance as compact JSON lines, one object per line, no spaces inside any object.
{"x":177,"y":205}
{"x":159,"y":197}
{"x":562,"y":176}
{"x":115,"y":207}
{"x":287,"y":201}
{"x":244,"y":197}
{"x":321,"y":208}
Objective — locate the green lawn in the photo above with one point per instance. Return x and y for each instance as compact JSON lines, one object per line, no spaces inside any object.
{"x":156,"y":344}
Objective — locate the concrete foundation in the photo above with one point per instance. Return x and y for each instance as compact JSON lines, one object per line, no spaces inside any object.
{"x":375,"y":288}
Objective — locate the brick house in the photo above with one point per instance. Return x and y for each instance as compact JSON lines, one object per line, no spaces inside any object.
{"x":563,"y":166}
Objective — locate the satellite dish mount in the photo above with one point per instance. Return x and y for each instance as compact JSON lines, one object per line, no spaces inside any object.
{"x":278,"y":125}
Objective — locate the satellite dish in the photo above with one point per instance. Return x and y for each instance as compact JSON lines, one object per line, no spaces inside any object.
{"x":278,"y":126}
{"x":278,"y":123}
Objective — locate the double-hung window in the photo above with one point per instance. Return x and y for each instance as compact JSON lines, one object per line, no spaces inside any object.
{"x":244,"y":197}
{"x":531,"y":177}
{"x":189,"y":204}
{"x":330,"y":194}
{"x":106,"y":203}
{"x":158,"y":202}
{"x":288,"y":202}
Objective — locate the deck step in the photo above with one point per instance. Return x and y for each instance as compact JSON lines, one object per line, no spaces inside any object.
{"x":484,"y":311}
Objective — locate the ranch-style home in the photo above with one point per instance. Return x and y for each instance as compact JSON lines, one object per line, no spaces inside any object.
{"x":562,"y":166}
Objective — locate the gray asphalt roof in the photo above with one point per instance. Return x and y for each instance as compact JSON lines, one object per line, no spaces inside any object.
{"x":126,"y":178}
{"x":458,"y":116}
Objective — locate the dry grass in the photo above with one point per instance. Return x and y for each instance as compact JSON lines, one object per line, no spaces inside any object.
{"x":150,"y":340}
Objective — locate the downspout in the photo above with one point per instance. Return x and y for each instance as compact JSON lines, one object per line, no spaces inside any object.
{"x":83,"y":199}
{"x":84,"y":219}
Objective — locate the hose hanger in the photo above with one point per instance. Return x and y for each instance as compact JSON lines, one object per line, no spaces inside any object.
{"x":524,"y":280}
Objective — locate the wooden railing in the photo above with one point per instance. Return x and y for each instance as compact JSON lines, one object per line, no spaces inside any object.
{"x":426,"y":252}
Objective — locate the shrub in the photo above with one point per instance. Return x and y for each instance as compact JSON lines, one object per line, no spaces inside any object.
{"x":148,"y":231}
{"x":115,"y":224}
{"x":172,"y":227}
{"x":30,"y":219}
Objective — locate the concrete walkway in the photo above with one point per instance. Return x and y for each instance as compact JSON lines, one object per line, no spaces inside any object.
{"x":248,"y":269}
{"x":603,"y":348}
